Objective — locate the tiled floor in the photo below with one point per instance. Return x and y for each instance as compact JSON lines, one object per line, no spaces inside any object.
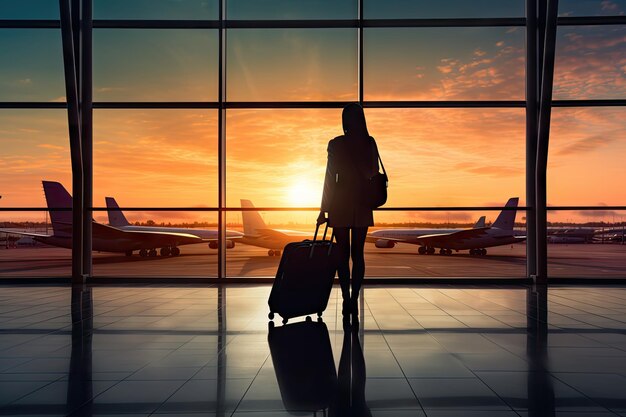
{"x":418,"y":351}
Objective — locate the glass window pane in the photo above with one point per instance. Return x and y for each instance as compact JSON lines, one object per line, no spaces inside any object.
{"x":259,"y":257}
{"x":291,"y":9}
{"x":278,"y":157}
{"x":586,"y":156}
{"x":22,"y":256}
{"x":35,"y":147}
{"x":451,"y":157}
{"x":29,"y":9}
{"x":155,"y":65}
{"x":32,"y":65}
{"x":431,"y":64}
{"x":156,"y":9}
{"x":587,"y":244}
{"x":194,"y":255}
{"x":291,"y":64}
{"x":427,"y":9}
{"x":590,"y":62}
{"x":507,"y":258}
{"x":592,"y":7}
{"x":160,"y":158}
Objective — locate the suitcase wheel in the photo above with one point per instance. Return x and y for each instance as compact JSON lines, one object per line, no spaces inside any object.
{"x":319,"y":313}
{"x":271,"y":315}
{"x":285,"y":321}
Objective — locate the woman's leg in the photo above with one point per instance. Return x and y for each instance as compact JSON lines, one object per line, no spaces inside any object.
{"x":342,"y":235}
{"x":358,"y":260}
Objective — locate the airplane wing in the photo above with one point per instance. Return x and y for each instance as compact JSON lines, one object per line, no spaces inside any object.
{"x":155,"y":239}
{"x":15,"y":232}
{"x":443,"y":239}
{"x":373,"y":239}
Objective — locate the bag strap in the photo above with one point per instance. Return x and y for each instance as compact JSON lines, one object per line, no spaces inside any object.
{"x":378,"y":155}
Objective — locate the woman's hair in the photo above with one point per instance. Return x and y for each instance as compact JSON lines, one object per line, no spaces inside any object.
{"x":354,"y":120}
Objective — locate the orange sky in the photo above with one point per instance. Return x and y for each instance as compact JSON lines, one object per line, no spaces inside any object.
{"x":435,"y":157}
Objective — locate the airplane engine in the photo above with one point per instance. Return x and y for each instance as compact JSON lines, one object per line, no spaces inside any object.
{"x":382,"y":243}
{"x":229,"y":244}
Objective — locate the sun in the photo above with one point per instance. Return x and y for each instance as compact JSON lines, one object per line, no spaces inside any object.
{"x":304,"y":193}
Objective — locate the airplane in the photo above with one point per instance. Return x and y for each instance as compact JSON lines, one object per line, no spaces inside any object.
{"x":118,"y":220}
{"x":256,"y":232}
{"x":387,"y":238}
{"x":476,"y":239}
{"x":105,"y":238}
{"x":570,"y":235}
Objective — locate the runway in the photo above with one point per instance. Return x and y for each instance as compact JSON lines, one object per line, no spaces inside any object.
{"x":583,"y":260}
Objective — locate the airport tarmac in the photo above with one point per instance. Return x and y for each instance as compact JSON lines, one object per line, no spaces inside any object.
{"x":582,"y":260}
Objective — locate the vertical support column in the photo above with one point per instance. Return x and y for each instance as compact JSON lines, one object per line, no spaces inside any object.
{"x":86,"y":116}
{"x":360,"y":36}
{"x":545,"y":109}
{"x":71,"y":92}
{"x":221,"y":147}
{"x":532,"y":115}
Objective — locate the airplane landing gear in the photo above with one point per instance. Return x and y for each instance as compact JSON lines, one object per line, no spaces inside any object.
{"x":143,"y":253}
{"x":421,"y":250}
{"x":166,"y":251}
{"x":175,"y":251}
{"x":129,"y":253}
{"x":270,"y":252}
{"x":430,"y":251}
{"x":478,"y":252}
{"x":152,"y":253}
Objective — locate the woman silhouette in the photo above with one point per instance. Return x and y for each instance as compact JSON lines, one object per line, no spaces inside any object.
{"x":352,"y":159}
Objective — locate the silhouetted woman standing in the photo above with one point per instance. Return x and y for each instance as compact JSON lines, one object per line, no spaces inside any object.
{"x":352,"y":158}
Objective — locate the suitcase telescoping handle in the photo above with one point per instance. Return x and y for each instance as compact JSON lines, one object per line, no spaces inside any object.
{"x":317,"y":228}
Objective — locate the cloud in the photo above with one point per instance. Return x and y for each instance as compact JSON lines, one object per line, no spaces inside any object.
{"x":489,"y":170}
{"x":25,"y":81}
{"x":108,"y":89}
{"x":587,"y":144}
{"x":52,"y":147}
{"x":610,"y":6}
{"x":590,"y":63}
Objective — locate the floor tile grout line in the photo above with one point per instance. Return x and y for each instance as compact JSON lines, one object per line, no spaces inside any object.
{"x":470,"y":370}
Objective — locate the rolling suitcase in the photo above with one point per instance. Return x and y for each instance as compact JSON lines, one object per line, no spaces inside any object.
{"x":304,"y":278}
{"x":304,"y":365}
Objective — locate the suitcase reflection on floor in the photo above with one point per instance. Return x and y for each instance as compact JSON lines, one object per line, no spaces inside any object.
{"x":306,"y":374}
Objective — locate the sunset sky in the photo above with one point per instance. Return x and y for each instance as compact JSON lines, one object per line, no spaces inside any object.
{"x":435,"y":157}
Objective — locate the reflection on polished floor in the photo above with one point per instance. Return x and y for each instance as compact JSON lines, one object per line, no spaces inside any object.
{"x":143,"y":350}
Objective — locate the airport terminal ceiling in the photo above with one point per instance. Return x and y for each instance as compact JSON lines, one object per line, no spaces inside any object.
{"x":205,"y":110}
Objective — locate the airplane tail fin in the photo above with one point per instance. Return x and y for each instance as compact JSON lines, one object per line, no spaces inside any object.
{"x":480,"y":223}
{"x":506,"y":219}
{"x":57,"y":197}
{"x":252,"y":220}
{"x":116,"y":216}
